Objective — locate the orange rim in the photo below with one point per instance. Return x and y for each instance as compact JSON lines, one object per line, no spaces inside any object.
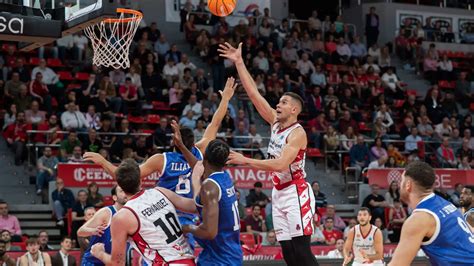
{"x":138,"y":15}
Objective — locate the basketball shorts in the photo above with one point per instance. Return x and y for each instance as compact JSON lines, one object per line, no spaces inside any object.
{"x":292,"y":211}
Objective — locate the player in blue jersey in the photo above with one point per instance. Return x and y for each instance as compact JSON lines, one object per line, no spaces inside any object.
{"x":216,"y":202}
{"x":98,"y":228}
{"x":435,"y":225}
{"x":174,"y":171}
{"x":467,"y":206}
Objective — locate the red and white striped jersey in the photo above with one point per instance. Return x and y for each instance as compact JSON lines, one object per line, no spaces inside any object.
{"x":159,"y":238}
{"x":278,"y":140}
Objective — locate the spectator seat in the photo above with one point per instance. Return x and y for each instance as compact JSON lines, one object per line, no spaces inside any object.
{"x":54,"y":62}
{"x":82,"y":76}
{"x":34,"y":61}
{"x":65,"y":76}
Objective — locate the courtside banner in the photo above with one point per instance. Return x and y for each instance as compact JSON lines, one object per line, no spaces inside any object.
{"x":260,"y":253}
{"x":445,"y":178}
{"x":80,"y":175}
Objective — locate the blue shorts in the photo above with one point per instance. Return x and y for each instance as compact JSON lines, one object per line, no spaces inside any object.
{"x":188,"y":220}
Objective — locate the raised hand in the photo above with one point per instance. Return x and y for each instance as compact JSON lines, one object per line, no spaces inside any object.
{"x":94,"y":157}
{"x":177,"y":140}
{"x":234,"y":54}
{"x":229,"y":89}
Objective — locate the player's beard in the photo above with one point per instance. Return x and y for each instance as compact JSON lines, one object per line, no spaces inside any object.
{"x":465,"y":204}
{"x":363,"y":223}
{"x":122,"y":201}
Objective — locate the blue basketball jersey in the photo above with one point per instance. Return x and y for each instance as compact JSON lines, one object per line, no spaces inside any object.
{"x":225,"y":248}
{"x":176,"y":173}
{"x":105,"y":239}
{"x":453,"y":241}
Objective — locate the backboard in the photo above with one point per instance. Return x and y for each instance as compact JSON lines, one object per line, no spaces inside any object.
{"x":34,"y":23}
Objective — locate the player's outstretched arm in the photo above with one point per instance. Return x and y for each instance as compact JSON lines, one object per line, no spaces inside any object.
{"x":235,"y":55}
{"x":296,"y":142}
{"x":210,"y":213}
{"x":213,"y":127}
{"x":96,"y":225}
{"x":98,"y":159}
{"x":153,"y":164}
{"x":414,"y":230}
{"x":181,"y":203}
{"x":348,"y":247}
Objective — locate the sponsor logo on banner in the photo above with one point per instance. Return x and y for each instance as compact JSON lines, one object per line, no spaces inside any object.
{"x":80,"y":175}
{"x":443,"y":21}
{"x":410,"y":20}
{"x":445,"y":178}
{"x":11,"y":25}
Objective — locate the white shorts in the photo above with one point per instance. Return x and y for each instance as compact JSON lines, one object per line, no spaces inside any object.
{"x":292,"y":211}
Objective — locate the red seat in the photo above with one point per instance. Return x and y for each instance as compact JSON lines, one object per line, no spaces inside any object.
{"x":242,"y":225}
{"x":136,"y":119}
{"x":313,"y":152}
{"x":21,"y":245}
{"x":147,"y":131}
{"x":322,"y":211}
{"x":248,"y":240}
{"x":108,"y":200}
{"x":153,"y":119}
{"x":54,"y":62}
{"x":34,"y":61}
{"x":363,"y":127}
{"x":69,"y":221}
{"x":444,"y":84}
{"x":73,"y":86}
{"x":65,"y":75}
{"x":420,"y":145}
{"x":386,"y":215}
{"x":471,"y":107}
{"x":412,"y":92}
{"x":82,"y":76}
{"x":398,"y":103}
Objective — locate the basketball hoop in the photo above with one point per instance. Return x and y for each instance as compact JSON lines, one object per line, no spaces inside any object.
{"x":111,"y":38}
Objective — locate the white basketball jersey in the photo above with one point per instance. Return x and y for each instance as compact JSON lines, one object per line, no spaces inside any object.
{"x":159,"y":237}
{"x":278,"y":140}
{"x":364,"y":242}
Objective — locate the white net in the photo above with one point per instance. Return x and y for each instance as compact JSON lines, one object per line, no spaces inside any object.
{"x":111,"y":39}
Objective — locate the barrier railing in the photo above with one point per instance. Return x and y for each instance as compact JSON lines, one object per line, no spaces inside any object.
{"x":36,"y":146}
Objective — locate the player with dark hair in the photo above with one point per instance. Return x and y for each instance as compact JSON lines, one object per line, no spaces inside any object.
{"x":149,"y":220}
{"x":364,"y":242}
{"x":98,"y":228}
{"x":216,"y":201}
{"x":173,"y":170}
{"x":435,"y":225}
{"x":293,"y":203}
{"x":467,"y":205}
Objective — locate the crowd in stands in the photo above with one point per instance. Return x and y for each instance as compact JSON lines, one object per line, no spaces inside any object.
{"x":352,"y":94}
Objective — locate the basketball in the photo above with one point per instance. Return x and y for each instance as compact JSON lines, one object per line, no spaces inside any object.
{"x":221,"y":8}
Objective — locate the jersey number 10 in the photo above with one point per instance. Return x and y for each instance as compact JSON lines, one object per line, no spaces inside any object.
{"x":171,"y":227}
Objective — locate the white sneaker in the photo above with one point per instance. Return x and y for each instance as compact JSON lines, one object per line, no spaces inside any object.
{"x":60,"y":223}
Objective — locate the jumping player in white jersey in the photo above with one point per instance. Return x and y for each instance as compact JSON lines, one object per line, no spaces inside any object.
{"x":364,"y":242}
{"x":292,"y":197}
{"x":149,"y":221}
